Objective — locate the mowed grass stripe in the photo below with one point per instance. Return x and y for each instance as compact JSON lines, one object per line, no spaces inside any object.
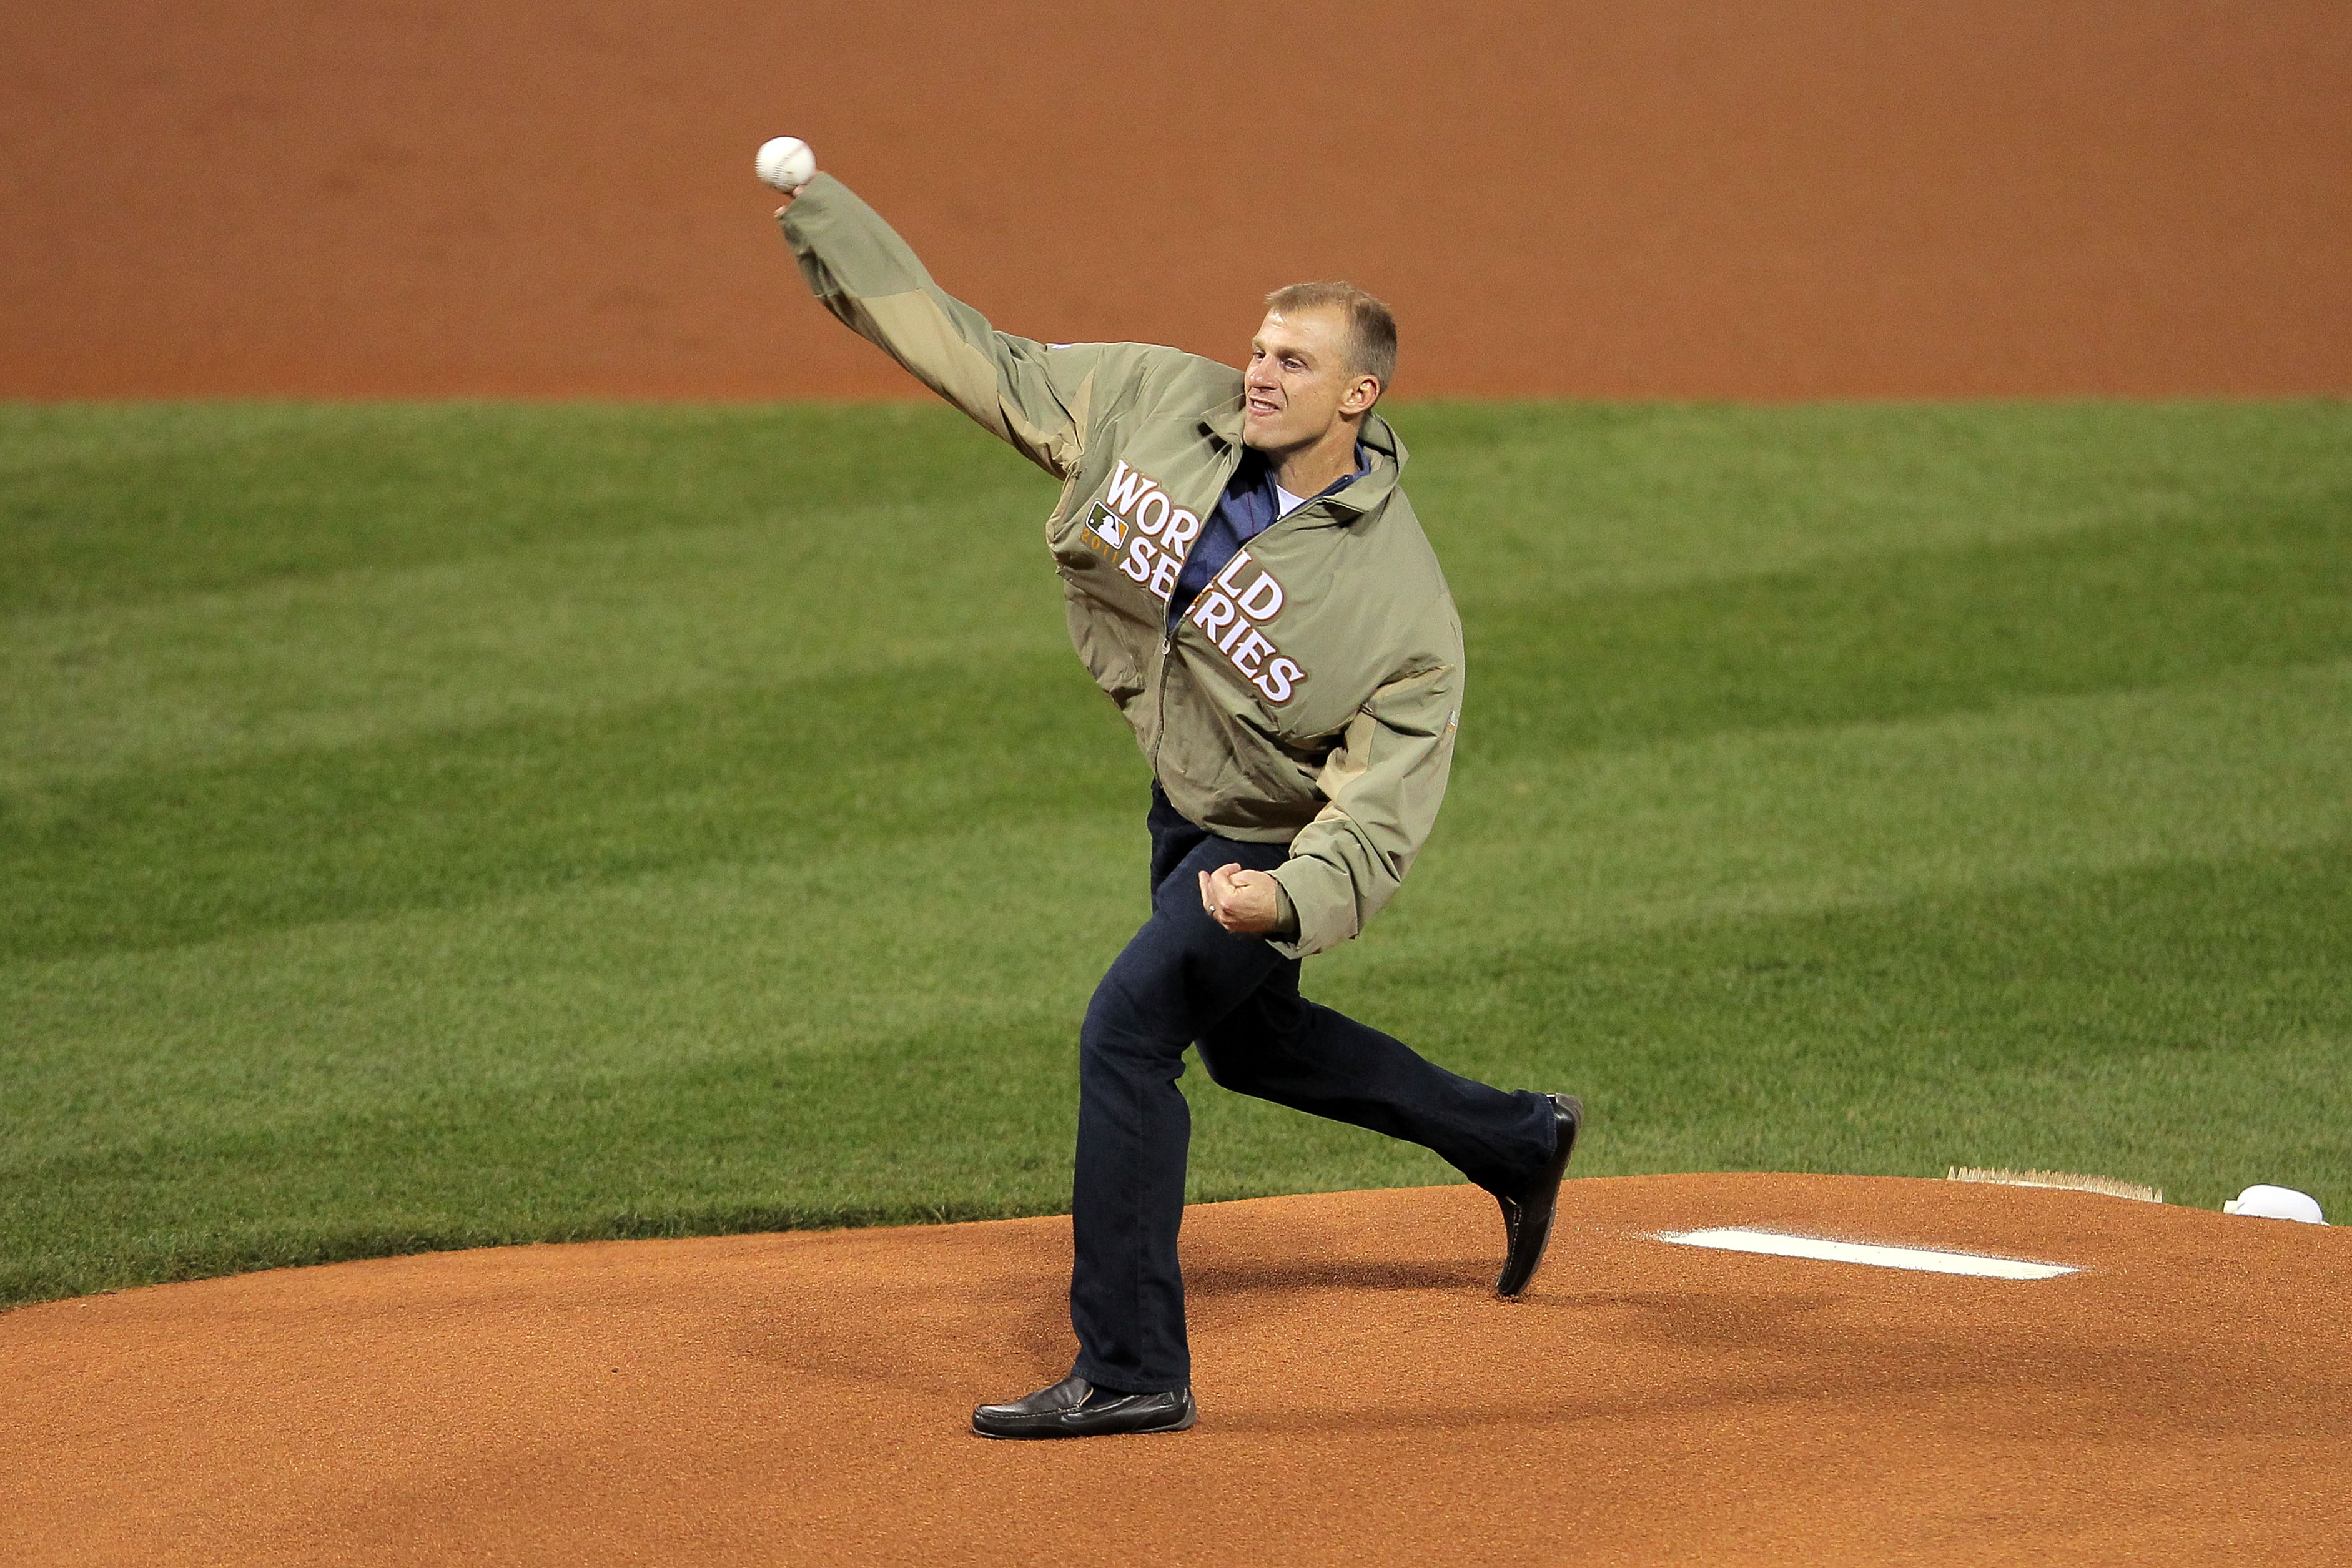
{"x":567,"y":628}
{"x":464,"y":816}
{"x":113,"y":504}
{"x":117,"y":504}
{"x":1533,"y":500}
{"x":1919,"y":634}
{"x":1801,"y":817}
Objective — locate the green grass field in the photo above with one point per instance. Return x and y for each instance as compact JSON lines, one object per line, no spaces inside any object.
{"x":427,"y":826}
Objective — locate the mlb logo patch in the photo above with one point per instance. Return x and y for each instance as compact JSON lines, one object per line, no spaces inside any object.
{"x":1106,"y":530}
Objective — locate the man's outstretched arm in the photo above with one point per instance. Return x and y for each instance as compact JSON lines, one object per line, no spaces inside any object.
{"x":1039,"y":399}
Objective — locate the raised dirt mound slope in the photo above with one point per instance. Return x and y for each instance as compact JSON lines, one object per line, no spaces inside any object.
{"x":802,"y":1398}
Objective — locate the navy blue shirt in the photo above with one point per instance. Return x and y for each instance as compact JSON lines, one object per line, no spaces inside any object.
{"x":1249,"y":508}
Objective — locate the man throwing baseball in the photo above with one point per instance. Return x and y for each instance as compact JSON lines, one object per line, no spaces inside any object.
{"x":1245,"y":578}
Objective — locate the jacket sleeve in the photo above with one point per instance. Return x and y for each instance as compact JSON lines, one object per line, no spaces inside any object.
{"x":1383,"y":784}
{"x":1038,"y":399}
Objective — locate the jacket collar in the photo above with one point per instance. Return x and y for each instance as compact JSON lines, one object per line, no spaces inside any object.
{"x":1366,"y":494}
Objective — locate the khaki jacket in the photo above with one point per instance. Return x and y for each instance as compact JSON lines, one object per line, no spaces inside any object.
{"x":1310,"y":694}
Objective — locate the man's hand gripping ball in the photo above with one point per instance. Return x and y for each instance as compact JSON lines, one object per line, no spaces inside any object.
{"x":786,"y":164}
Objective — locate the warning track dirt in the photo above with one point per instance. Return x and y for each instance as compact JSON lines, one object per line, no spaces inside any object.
{"x":1821,"y":198}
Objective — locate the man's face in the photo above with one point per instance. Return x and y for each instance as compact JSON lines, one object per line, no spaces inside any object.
{"x":1297,"y":383}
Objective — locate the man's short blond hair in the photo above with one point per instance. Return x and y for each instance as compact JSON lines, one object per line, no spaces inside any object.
{"x":1372,"y":331}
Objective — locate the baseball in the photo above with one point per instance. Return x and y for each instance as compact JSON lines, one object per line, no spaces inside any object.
{"x":786,"y":162}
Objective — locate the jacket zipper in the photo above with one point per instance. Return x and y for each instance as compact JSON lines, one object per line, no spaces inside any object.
{"x":1160,"y":718}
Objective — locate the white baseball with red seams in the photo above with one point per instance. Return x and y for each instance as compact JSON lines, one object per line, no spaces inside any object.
{"x":785,"y":162}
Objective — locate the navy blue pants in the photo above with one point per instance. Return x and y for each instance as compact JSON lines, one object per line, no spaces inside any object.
{"x":1185,"y":980}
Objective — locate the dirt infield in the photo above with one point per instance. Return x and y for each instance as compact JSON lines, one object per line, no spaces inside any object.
{"x":801,"y":1398}
{"x":1814,"y":198}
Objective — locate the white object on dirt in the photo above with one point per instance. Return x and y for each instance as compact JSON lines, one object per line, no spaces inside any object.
{"x":2276,"y":1203}
{"x":785,"y":162}
{"x":1774,"y":1244}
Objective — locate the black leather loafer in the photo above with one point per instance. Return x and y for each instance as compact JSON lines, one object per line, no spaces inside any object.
{"x":1076,"y":1408}
{"x":1526,"y":1219}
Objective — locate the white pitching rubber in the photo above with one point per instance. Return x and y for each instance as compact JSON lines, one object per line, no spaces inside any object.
{"x":1773,"y":1244}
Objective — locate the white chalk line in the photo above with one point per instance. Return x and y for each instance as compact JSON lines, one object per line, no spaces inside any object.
{"x":1776,"y":1245}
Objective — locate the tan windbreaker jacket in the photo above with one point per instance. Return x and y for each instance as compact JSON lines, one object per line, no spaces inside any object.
{"x":1311,"y":692}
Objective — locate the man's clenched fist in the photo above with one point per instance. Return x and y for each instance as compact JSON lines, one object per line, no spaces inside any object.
{"x":1247,"y":902}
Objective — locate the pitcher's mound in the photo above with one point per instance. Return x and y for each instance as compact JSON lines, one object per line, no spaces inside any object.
{"x":803,"y":1398}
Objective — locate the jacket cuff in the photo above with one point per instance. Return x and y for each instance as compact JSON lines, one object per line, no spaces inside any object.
{"x":802,"y":207}
{"x":1316,"y":924}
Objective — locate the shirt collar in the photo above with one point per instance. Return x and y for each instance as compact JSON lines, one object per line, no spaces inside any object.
{"x":1377,"y":440}
{"x":1363,"y":467}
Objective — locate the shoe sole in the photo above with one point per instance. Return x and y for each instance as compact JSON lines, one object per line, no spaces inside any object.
{"x":1192,"y":1416}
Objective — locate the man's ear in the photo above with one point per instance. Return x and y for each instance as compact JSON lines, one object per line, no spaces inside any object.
{"x":1364,"y":392}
